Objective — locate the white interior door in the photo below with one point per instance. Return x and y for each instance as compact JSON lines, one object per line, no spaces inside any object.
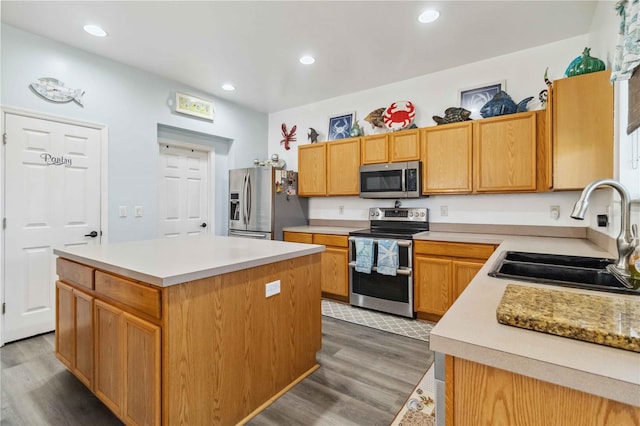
{"x":184,"y":195}
{"x":52,"y":199}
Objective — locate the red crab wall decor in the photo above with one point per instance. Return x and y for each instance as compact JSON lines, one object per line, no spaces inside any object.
{"x":288,"y":137}
{"x":399,"y":115}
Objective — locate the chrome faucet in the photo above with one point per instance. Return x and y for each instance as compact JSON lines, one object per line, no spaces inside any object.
{"x":626,"y":241}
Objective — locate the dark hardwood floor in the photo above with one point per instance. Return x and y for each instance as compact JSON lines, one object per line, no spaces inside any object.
{"x":364,"y":378}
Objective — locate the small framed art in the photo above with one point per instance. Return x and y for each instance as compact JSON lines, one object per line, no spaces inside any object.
{"x":192,"y":105}
{"x":340,"y":126}
{"x":474,"y":98}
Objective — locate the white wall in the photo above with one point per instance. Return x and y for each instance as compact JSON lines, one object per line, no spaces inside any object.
{"x":132,"y":103}
{"x":523,"y":72}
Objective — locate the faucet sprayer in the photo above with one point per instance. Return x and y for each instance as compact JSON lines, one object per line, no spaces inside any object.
{"x":626,"y":242}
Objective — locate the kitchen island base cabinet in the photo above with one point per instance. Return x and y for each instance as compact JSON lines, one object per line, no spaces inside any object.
{"x":484,"y":395}
{"x":213,"y":351}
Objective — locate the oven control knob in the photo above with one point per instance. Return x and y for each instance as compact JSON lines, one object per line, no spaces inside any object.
{"x":373,"y":214}
{"x":377,"y":213}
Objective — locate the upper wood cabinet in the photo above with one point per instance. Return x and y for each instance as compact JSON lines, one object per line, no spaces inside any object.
{"x":505,"y":149}
{"x":329,"y":168}
{"x":582,"y":122}
{"x":312,"y":169}
{"x":391,"y":147}
{"x":404,"y":145}
{"x":446,"y":157}
{"x":343,"y":167}
{"x":374,"y":149}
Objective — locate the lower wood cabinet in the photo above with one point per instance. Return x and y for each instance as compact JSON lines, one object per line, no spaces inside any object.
{"x":74,"y":336}
{"x":442,"y":272}
{"x":334,"y":262}
{"x":114,"y":353}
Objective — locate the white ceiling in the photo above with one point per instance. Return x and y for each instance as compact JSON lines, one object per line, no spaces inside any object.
{"x":256,"y":44}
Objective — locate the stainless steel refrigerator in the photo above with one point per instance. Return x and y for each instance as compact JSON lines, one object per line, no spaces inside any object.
{"x":262,"y":201}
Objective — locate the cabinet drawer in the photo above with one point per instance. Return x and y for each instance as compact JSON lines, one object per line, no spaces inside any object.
{"x":475,"y":251}
{"x":298,"y":237}
{"x":140,"y":297}
{"x":75,"y":273}
{"x":331,"y":240}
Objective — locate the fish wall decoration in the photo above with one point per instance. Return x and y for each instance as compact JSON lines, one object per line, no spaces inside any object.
{"x":313,"y":135}
{"x":55,"y":90}
{"x":375,"y":118}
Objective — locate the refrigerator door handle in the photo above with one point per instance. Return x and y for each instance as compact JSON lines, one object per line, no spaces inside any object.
{"x":248,"y":198}
{"x":244,"y":197}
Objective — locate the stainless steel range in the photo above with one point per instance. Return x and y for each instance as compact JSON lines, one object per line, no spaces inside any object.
{"x":392,"y":294}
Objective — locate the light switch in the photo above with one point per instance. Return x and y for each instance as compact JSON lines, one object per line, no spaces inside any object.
{"x":123,"y":211}
{"x":138,"y":211}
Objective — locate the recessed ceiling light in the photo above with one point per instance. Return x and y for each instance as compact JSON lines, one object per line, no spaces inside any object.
{"x":228,"y":86}
{"x":428,"y":16}
{"x":307,"y":60}
{"x":95,"y":30}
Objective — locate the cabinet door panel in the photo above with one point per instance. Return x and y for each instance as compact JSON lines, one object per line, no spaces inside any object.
{"x":375,"y":149}
{"x":446,"y":159}
{"x":65,"y":334}
{"x":582,"y":130}
{"x":505,"y":153}
{"x":298,"y":237}
{"x":84,"y":337}
{"x":108,"y":381}
{"x":404,"y":146}
{"x":431,"y":286}
{"x":335,"y":271}
{"x":141,"y":371}
{"x":312,"y":169}
{"x":463,"y":273}
{"x":343,"y":167}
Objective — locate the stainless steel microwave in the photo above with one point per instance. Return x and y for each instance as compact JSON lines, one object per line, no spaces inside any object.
{"x":391,"y":180}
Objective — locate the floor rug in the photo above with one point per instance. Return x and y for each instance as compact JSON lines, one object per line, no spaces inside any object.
{"x":416,"y":329}
{"x":419,"y":410}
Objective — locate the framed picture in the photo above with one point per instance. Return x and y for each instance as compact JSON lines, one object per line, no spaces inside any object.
{"x":340,"y":126}
{"x":192,"y":105}
{"x":473,"y":99}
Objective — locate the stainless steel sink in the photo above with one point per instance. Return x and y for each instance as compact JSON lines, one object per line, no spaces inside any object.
{"x":562,"y":270}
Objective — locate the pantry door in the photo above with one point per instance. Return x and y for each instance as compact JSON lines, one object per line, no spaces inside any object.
{"x":52,"y":199}
{"x":184,"y":192}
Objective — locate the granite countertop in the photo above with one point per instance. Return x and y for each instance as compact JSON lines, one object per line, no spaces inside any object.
{"x":471,"y":331}
{"x":333,"y":230}
{"x":168,"y":261}
{"x":604,"y":320}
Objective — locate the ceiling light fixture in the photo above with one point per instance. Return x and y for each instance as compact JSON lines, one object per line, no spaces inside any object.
{"x":307,"y":60}
{"x":428,"y":16}
{"x":228,"y":87}
{"x":95,"y":30}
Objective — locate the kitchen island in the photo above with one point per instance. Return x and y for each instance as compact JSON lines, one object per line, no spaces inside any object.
{"x":498,"y":374}
{"x":198,"y":330}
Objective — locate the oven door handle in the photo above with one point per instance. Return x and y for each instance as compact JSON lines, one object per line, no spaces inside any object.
{"x":403,"y":270}
{"x":400,"y":243}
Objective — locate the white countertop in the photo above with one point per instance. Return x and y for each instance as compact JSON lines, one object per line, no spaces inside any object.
{"x":333,"y":230}
{"x":470,"y":329}
{"x":168,"y":261}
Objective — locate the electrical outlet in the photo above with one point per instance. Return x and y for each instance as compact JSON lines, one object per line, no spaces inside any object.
{"x":554,"y":212}
{"x":138,"y":211}
{"x":444,"y":210}
{"x":341,"y":210}
{"x":122,"y":210}
{"x":272,"y":288}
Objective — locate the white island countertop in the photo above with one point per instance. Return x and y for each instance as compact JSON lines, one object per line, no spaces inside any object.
{"x":168,"y":261}
{"x":471,"y":331}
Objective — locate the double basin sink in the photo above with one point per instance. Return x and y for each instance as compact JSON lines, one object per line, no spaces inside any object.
{"x":569,"y":271}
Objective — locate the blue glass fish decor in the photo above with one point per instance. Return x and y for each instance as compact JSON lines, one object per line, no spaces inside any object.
{"x":502,"y":104}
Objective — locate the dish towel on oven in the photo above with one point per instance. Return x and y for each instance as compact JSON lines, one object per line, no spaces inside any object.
{"x":364,"y":255}
{"x":387,"y":257}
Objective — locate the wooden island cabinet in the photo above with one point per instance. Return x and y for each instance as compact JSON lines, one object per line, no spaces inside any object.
{"x":191,"y":348}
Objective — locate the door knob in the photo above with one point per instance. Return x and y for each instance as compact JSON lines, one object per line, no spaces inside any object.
{"x":92,"y":234}
{"x":204,"y":225}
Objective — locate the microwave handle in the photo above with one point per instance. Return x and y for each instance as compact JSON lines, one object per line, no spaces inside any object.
{"x":404,"y":179}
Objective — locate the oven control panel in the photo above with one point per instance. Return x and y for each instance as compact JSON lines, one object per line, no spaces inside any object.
{"x":399,"y":214}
